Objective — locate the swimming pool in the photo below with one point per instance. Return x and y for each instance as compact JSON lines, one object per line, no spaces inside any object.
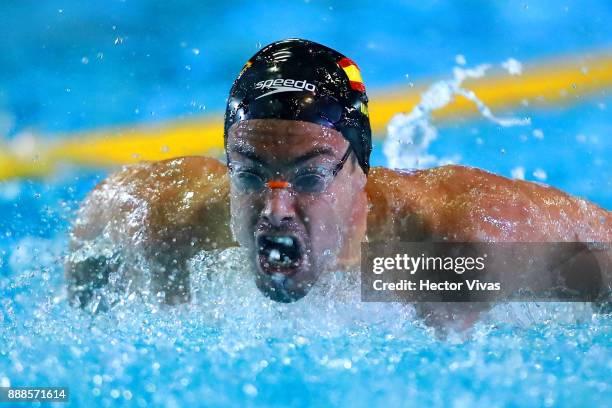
{"x":231,"y":346}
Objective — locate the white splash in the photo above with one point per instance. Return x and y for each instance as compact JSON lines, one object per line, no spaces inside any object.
{"x":513,"y":66}
{"x":518,"y":173}
{"x":410,"y":134}
{"x":540,"y":174}
{"x":538,"y":134}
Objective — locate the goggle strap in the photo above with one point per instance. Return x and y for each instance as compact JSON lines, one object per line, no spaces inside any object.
{"x":340,"y":165}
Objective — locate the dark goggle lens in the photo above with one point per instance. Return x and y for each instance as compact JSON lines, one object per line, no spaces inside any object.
{"x":306,"y":183}
{"x":248,"y":182}
{"x":309,"y":183}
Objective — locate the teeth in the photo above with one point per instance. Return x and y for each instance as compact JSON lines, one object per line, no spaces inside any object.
{"x":274,"y":258}
{"x":274,"y":255}
{"x":282,"y":240}
{"x":278,"y":250}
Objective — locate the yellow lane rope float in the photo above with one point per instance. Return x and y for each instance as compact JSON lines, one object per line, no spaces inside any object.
{"x":552,"y":83}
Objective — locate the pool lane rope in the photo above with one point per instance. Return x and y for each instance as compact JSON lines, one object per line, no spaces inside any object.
{"x":557,"y":82}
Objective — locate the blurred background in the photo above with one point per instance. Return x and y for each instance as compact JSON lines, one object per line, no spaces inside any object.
{"x":68,"y":65}
{"x":85,"y":86}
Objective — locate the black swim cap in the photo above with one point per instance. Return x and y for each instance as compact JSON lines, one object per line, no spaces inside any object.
{"x":301,"y":80}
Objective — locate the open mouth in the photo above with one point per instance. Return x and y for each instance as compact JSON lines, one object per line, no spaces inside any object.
{"x":279,"y":253}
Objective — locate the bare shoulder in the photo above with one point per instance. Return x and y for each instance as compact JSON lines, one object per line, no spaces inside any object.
{"x":151,"y":216}
{"x":164,"y":200}
{"x":465,"y":203}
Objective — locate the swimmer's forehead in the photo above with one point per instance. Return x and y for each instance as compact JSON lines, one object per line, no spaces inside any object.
{"x":283,"y":140}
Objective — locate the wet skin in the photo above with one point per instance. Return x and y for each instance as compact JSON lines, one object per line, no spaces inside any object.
{"x":326,"y":225}
{"x":170,"y":210}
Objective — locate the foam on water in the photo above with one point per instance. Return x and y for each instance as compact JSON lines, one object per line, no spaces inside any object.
{"x":232,"y":346}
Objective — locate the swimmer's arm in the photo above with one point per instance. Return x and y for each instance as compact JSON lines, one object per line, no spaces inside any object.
{"x":163,"y":212}
{"x":463,"y":204}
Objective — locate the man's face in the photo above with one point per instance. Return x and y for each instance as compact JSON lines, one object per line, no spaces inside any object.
{"x":293,"y":234}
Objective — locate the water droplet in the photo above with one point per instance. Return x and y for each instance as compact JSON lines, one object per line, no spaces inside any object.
{"x":85,"y":60}
{"x":518,"y":173}
{"x":250,"y":390}
{"x":540,"y":174}
{"x":538,"y":134}
{"x":118,"y":40}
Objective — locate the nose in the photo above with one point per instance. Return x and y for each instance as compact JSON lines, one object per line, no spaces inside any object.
{"x":280,"y":206}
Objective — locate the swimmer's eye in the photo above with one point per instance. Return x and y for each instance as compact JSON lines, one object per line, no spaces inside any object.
{"x":310,"y":182}
{"x":247,"y":181}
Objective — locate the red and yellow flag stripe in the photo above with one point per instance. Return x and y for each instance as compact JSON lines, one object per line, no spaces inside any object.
{"x":352,"y":72}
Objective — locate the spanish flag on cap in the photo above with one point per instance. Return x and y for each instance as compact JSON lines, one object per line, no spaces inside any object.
{"x":354,"y":76}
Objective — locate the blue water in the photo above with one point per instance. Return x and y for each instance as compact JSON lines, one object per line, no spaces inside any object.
{"x":68,"y":66}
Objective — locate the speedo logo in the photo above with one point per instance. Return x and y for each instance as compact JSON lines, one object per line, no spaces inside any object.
{"x":284,"y":85}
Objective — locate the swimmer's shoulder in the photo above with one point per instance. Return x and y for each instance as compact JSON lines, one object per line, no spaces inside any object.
{"x":467,"y":203}
{"x":415,"y":205}
{"x":180,"y":173}
{"x":168,"y":180}
{"x":162,"y":213}
{"x":178,"y":199}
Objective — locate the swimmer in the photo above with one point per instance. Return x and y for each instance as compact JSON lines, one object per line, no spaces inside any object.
{"x":298,"y":192}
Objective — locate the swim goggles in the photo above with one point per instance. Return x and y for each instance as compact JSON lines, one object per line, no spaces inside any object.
{"x":310,"y":180}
